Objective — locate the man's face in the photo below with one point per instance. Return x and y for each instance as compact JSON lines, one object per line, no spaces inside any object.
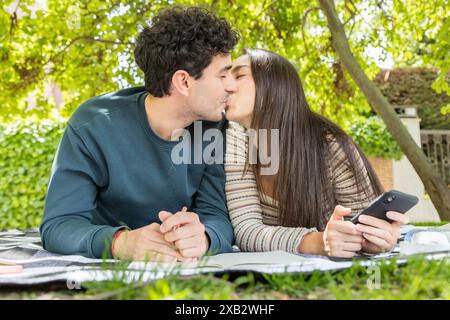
{"x":210,"y":92}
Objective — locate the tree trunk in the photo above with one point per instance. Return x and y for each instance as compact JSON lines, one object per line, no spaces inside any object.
{"x":436,"y":188}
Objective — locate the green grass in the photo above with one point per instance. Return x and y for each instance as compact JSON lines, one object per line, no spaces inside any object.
{"x":429,"y":224}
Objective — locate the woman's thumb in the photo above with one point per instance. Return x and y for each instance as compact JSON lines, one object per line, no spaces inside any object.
{"x":340,"y":212}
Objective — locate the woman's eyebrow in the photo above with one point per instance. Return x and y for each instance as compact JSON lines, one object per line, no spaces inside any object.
{"x":237,"y":68}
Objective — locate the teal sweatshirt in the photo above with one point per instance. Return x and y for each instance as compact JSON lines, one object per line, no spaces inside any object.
{"x":111,"y":171}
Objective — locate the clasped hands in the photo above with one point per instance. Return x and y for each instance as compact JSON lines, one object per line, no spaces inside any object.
{"x":180,"y":237}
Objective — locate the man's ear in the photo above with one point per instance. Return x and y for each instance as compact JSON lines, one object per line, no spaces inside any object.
{"x":181,"y":82}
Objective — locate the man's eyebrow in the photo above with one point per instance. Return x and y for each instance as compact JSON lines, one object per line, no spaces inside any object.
{"x":235,"y":69}
{"x":226,"y":68}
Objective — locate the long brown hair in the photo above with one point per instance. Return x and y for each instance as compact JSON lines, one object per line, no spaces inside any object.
{"x":302,"y":185}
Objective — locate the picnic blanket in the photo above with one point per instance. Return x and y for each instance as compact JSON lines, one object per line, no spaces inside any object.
{"x":40,"y":266}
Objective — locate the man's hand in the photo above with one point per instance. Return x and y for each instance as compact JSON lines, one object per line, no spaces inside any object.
{"x":380,"y":235}
{"x":146,"y":243}
{"x":341,"y":238}
{"x":186,"y":232}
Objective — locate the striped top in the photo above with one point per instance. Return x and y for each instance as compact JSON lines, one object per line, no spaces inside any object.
{"x":254,"y":215}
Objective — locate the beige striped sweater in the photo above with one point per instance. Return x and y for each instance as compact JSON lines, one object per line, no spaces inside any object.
{"x":254,"y":216}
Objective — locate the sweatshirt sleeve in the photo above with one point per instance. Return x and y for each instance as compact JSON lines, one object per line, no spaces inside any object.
{"x":71,"y":196}
{"x":210,"y":205}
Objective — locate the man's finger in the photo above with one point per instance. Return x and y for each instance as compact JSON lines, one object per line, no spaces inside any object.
{"x":183,"y":232}
{"x":147,"y":235}
{"x":156,"y":257}
{"x":153,"y":226}
{"x":158,"y":247}
{"x":192,"y":252}
{"x":178,"y":218}
{"x":187,"y":243}
{"x":163,"y":215}
{"x":154,"y":236}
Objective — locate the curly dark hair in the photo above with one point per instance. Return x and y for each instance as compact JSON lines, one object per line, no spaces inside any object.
{"x":181,"y":38}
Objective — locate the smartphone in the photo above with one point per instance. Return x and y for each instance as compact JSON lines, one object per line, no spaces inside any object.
{"x":392,"y":200}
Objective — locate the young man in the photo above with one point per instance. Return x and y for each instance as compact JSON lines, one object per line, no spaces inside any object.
{"x":114,"y":187}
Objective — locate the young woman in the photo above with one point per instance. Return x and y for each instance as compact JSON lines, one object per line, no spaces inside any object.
{"x":322,"y":175}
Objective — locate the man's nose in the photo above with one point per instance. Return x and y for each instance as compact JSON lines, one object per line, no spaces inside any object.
{"x":231,"y":85}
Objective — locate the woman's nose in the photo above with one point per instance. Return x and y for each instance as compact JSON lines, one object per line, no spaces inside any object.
{"x":231,"y":86}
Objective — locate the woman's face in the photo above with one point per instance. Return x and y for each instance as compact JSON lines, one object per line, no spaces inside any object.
{"x":242,"y":101}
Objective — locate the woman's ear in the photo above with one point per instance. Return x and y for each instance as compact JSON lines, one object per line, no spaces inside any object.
{"x":181,"y":82}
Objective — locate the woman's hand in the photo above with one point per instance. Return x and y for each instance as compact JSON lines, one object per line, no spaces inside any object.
{"x":380,"y":235}
{"x":341,"y":238}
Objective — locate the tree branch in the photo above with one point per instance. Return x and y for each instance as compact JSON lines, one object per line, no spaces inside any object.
{"x":109,"y":9}
{"x":304,"y":18}
{"x":264,"y":9}
{"x":13,"y":17}
{"x":352,"y":12}
{"x":88,"y":38}
{"x":107,"y":41}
